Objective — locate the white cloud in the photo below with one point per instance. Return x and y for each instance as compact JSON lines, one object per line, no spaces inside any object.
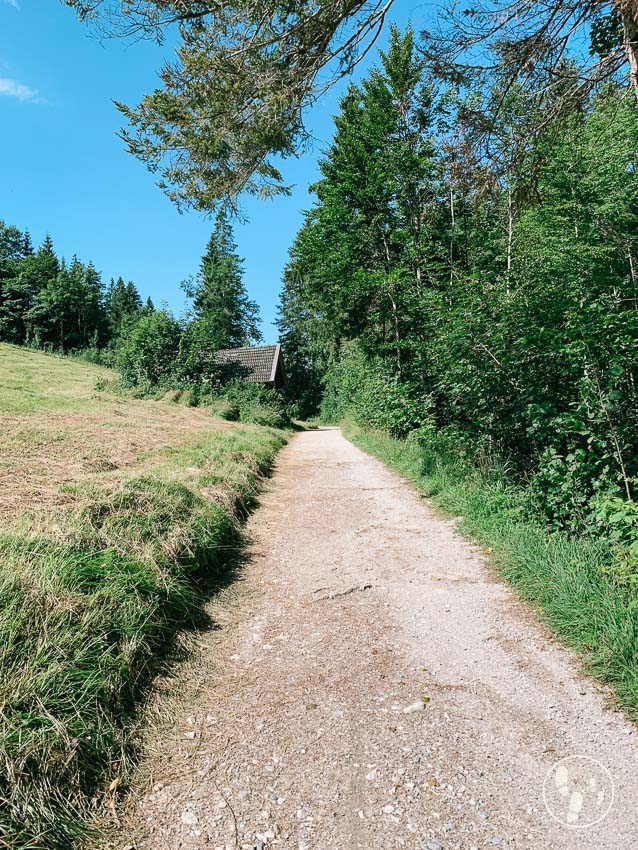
{"x":13,"y":3}
{"x":12,"y":88}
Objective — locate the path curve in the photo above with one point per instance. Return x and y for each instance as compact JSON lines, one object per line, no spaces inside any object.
{"x":358,"y":602}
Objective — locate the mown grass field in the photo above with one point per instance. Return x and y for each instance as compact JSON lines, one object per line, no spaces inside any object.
{"x":115,"y":514}
{"x":571,"y":581}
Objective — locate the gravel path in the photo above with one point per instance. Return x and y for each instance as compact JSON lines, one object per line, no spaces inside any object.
{"x":370,"y":685}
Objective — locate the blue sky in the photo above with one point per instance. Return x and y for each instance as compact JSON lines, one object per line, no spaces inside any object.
{"x":64,"y":171}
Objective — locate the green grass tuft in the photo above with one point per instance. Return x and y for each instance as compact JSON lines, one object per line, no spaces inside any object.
{"x":85,"y":613}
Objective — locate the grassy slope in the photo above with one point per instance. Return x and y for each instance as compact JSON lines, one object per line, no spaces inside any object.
{"x":116,"y":515}
{"x":35,"y":382}
{"x":568,"y":580}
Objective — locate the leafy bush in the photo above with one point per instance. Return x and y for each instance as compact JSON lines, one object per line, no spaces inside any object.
{"x":147,"y":356}
{"x":256,"y":403}
{"x":97,"y":356}
{"x":617,"y":519}
{"x":194,"y":366}
{"x":365,"y":390}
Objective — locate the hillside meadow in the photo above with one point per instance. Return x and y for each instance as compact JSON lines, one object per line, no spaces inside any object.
{"x":116,"y":517}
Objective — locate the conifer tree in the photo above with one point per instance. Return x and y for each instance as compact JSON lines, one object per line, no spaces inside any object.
{"x":219,"y":296}
{"x":122,"y":304}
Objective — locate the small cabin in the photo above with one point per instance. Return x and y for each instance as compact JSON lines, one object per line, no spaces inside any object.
{"x":259,"y":364}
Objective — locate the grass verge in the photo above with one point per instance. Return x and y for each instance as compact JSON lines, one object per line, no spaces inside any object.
{"x":570,"y":581}
{"x":88,"y":600}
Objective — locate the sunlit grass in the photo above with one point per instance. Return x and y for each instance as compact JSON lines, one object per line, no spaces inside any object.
{"x":96,"y":579}
{"x":33,"y":381}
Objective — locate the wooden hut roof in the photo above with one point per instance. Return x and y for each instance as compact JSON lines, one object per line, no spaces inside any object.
{"x":257,"y":364}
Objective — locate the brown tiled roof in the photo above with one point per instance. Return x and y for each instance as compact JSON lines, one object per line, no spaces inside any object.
{"x":257,"y":364}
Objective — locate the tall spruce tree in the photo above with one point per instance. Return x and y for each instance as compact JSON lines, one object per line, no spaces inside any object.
{"x":220,"y":300}
{"x":123,"y":306}
{"x":375,"y":242}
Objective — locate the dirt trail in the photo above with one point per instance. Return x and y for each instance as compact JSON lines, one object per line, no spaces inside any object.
{"x":358,"y":603}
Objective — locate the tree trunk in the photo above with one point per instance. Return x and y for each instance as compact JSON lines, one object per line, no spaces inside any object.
{"x":452,"y":229}
{"x":510,"y":233}
{"x":628,"y":10}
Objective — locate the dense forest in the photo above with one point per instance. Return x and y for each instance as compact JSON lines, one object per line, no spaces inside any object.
{"x":48,"y":303}
{"x":472,"y":282}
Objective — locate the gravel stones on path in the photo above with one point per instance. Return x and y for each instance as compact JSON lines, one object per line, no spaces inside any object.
{"x":367,"y":684}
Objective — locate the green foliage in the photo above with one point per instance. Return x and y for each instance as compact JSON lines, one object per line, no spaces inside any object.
{"x":256,"y":403}
{"x":491,"y":295}
{"x":618,"y":521}
{"x":156,"y":352}
{"x":123,"y":306}
{"x":304,"y":351}
{"x":230,"y":102}
{"x":230,"y":105}
{"x":99,"y":356}
{"x":84,"y":619}
{"x":148,"y":355}
{"x":371,"y":394}
{"x":194,"y":366}
{"x":220,"y":301}
{"x":47,"y":303}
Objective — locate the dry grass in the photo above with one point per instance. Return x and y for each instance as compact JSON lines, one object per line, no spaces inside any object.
{"x":114,"y":515}
{"x":63,"y":422}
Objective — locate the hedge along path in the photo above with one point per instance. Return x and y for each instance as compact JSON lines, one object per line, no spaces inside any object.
{"x":372,"y":686}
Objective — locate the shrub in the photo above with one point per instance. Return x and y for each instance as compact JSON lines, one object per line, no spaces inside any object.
{"x":147,"y":356}
{"x":617,"y":519}
{"x":366,"y":390}
{"x":97,"y":356}
{"x":194,"y":366}
{"x":254,"y":403}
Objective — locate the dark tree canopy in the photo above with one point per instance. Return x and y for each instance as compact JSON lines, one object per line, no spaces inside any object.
{"x":49,"y":303}
{"x":485,"y":304}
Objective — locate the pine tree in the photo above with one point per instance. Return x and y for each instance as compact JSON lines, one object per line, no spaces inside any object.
{"x":133,"y":300}
{"x":16,"y":254}
{"x":123,"y":305}
{"x":219,"y":295}
{"x":27,"y":245}
{"x":91,"y":309}
{"x":38,"y":271}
